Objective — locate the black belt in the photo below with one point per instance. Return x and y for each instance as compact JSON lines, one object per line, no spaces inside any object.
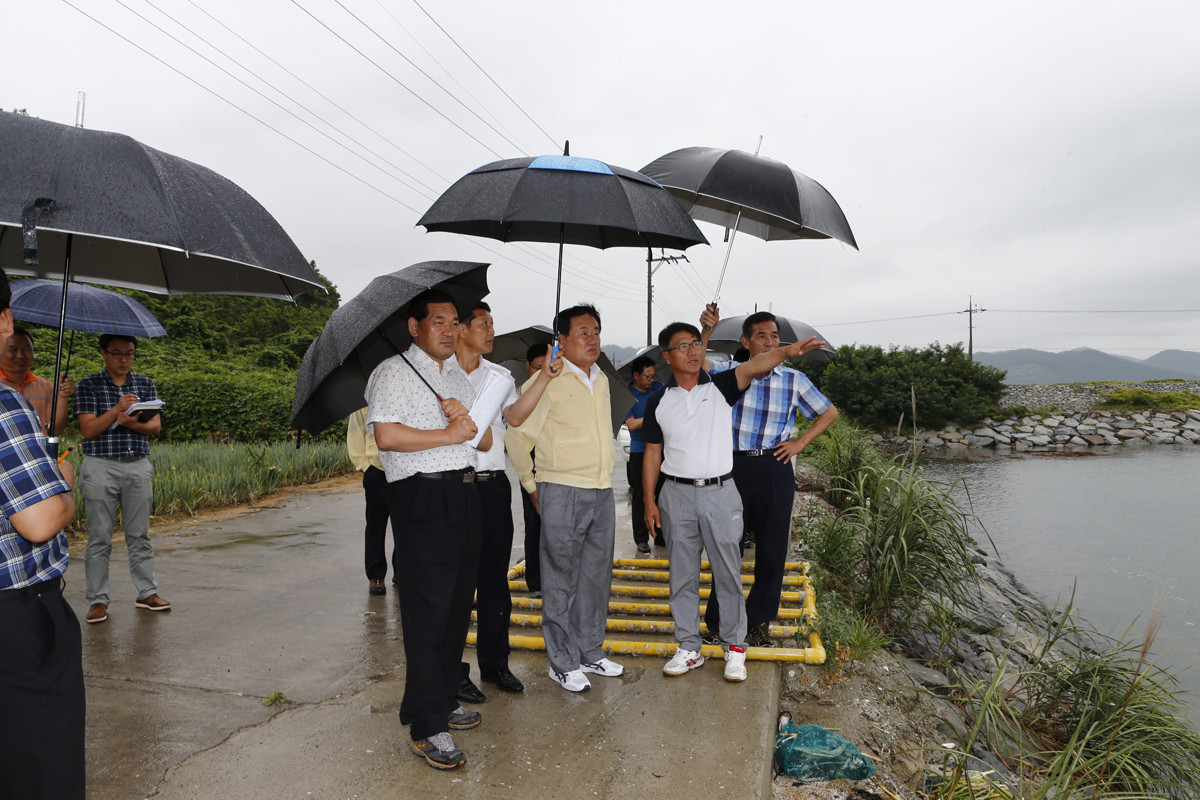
{"x":702,"y":481}
{"x":488,"y":474}
{"x":459,"y":475}
{"x":766,"y":452}
{"x":124,"y":459}
{"x":26,"y":592}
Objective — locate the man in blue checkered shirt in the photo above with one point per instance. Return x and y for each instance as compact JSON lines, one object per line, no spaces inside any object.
{"x":763,"y":448}
{"x":116,"y":470}
{"x":41,"y":654}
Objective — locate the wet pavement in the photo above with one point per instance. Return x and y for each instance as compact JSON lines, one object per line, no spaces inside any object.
{"x":276,"y":601}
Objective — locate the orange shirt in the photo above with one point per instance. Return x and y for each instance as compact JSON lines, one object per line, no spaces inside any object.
{"x":38,"y":391}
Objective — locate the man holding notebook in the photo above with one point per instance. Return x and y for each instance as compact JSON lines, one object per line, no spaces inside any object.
{"x":116,"y":471}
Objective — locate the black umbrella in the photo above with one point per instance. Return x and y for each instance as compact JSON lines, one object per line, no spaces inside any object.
{"x":100,"y":207}
{"x":727,"y":336}
{"x":509,"y":349}
{"x":563,"y":199}
{"x":747,"y":192}
{"x":365,"y":331}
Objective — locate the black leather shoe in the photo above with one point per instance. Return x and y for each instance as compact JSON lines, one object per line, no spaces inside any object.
{"x":468,"y":692}
{"x":504,"y":680}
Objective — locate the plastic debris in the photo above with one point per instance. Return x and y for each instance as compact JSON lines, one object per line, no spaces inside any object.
{"x":810,"y":753}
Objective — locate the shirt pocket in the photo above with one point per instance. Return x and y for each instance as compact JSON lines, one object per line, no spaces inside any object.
{"x":575,"y":454}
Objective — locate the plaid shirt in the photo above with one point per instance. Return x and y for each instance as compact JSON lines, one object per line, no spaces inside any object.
{"x":28,"y":475}
{"x":96,"y":394}
{"x":766,"y":414}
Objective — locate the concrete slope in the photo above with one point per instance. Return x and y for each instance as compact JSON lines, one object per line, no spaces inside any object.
{"x":277,"y":601}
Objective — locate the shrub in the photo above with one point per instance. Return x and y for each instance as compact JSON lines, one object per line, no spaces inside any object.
{"x":844,"y":453}
{"x":1144,"y":398}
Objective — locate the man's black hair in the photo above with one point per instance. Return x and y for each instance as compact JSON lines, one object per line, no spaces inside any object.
{"x":19,"y":331}
{"x":108,"y":338}
{"x":535,"y":351}
{"x":757,"y":319}
{"x":563,"y":323}
{"x":469,"y":317}
{"x":668,"y":333}
{"x":640,"y":363}
{"x":418,"y":307}
{"x":5,"y":291}
{"x":741,"y":355}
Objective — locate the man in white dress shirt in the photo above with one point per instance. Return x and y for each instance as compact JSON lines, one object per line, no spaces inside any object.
{"x":417,"y":410}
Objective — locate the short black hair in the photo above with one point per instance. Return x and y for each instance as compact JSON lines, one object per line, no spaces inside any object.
{"x":469,"y":317}
{"x":563,"y":323}
{"x":19,"y":331}
{"x":668,"y":333}
{"x":741,"y":355}
{"x":534,"y":352}
{"x":5,"y":291}
{"x":640,"y":363}
{"x":757,"y":319}
{"x":108,"y":338}
{"x":418,"y":307}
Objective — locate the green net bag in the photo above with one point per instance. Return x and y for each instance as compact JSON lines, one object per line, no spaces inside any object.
{"x":811,"y":753}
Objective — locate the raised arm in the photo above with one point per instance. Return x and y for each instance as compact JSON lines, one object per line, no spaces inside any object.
{"x":518,"y":412}
{"x":763,"y":363}
{"x":708,"y":321}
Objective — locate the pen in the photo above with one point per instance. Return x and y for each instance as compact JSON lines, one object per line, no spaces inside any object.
{"x":64,"y":455}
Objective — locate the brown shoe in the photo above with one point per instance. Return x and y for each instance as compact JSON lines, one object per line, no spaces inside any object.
{"x":377,"y":587}
{"x":97,"y":613}
{"x":154,"y":603}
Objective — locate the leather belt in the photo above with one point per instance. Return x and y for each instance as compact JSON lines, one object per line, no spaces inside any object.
{"x":26,"y":592}
{"x":766,"y":452}
{"x":459,"y":475}
{"x":488,"y":474}
{"x":701,"y":481}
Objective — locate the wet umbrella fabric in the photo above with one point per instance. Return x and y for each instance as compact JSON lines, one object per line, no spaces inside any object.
{"x":367,"y":330}
{"x":727,"y":336}
{"x":509,"y":349}
{"x":90,"y":309}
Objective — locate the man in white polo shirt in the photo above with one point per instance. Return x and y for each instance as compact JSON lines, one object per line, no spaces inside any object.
{"x":688,"y":431}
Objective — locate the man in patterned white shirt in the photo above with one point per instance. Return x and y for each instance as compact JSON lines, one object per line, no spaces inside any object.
{"x":417,"y":411}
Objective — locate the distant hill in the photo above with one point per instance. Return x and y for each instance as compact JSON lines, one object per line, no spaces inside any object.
{"x":1087,"y":365}
{"x":618,"y":354}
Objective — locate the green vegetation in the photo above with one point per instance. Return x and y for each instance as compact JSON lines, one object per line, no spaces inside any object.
{"x":1134,"y":399}
{"x":227,"y":367}
{"x":275,"y":698}
{"x":876,"y":385}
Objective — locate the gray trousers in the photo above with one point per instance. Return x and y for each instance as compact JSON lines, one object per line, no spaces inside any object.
{"x":697,"y":518}
{"x":578,"y":529}
{"x":105,"y":484}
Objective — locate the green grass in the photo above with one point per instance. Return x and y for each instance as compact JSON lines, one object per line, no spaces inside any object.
{"x":197,"y":475}
{"x":1146,"y":399}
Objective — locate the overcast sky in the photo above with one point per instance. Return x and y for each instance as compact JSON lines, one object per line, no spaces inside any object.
{"x":1038,"y":156}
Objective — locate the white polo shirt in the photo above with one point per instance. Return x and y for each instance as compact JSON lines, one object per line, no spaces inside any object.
{"x":695,"y":428}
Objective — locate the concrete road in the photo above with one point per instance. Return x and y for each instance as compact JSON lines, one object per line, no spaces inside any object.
{"x":276,"y":602}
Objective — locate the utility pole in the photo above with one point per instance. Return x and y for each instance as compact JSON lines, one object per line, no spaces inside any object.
{"x":650,"y":270}
{"x":971,"y":310}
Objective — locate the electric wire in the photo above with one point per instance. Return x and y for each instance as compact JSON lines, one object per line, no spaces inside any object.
{"x":553,"y":141}
{"x":1083,"y":333}
{"x":890,"y":319}
{"x":320,"y":94}
{"x":398,"y":82}
{"x":229,"y":102}
{"x":1098,"y":311}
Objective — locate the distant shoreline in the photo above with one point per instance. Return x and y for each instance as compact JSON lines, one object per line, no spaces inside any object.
{"x":1080,"y":396}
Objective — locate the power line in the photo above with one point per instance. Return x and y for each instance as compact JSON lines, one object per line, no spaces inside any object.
{"x":890,"y":319}
{"x":1084,"y":333}
{"x":553,"y":141}
{"x":242,"y":110}
{"x":1109,"y":311}
{"x":398,"y":82}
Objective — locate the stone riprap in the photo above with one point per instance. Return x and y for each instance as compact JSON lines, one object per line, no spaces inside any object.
{"x":1079,"y":396}
{"x":1062,"y":431}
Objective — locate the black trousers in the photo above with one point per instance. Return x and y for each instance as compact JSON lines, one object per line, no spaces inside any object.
{"x":637,"y":493}
{"x":41,"y":699}
{"x":375,"y":536}
{"x":493,"y":603}
{"x":768,"y":490}
{"x":533,"y":543}
{"x":437,"y":530}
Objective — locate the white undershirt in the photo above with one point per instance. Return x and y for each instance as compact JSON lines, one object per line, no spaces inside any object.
{"x":588,"y":378}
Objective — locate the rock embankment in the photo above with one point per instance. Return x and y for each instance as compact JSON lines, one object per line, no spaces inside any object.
{"x":1080,"y":396}
{"x":1062,"y":431}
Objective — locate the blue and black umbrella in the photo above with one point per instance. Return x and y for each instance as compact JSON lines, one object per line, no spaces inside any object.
{"x":90,"y":309}
{"x":563,"y":199}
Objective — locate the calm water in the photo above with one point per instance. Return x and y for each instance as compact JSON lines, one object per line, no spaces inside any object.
{"x":1123,"y":527}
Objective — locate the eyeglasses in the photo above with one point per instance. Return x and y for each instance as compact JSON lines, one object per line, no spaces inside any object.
{"x":683,"y":348}
{"x":122,"y":356}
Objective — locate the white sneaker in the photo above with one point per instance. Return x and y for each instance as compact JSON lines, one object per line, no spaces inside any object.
{"x":573,"y":681}
{"x":735,"y":664}
{"x":605,"y":667}
{"x":682,"y":661}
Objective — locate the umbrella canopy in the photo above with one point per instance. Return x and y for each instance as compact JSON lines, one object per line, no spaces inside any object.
{"x":760,"y":196}
{"x":508,"y":350}
{"x":727,"y":337}
{"x":367,"y":330}
{"x":89,"y":309}
{"x":133,"y":216}
{"x":662,"y":370}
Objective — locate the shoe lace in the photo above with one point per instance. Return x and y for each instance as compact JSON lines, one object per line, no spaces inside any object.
{"x":442,"y":741}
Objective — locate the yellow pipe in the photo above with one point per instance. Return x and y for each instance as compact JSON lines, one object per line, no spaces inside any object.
{"x":808,"y":655}
{"x":662,"y":563}
{"x":659,"y":592}
{"x":705,"y":577}
{"x":517,"y":570}
{"x":644,"y":609}
{"x":637,"y":625}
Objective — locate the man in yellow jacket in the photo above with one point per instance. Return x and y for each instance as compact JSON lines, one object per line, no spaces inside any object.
{"x":570,"y":432}
{"x":364,"y":455}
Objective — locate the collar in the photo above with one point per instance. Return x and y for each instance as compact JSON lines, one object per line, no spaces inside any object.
{"x":418,"y":356}
{"x":704,"y":378}
{"x":589,"y":376}
{"x":29,"y":378}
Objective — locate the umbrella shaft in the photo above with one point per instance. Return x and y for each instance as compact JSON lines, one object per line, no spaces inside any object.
{"x":62,"y":323}
{"x":562,"y":240}
{"x":728,"y":250}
